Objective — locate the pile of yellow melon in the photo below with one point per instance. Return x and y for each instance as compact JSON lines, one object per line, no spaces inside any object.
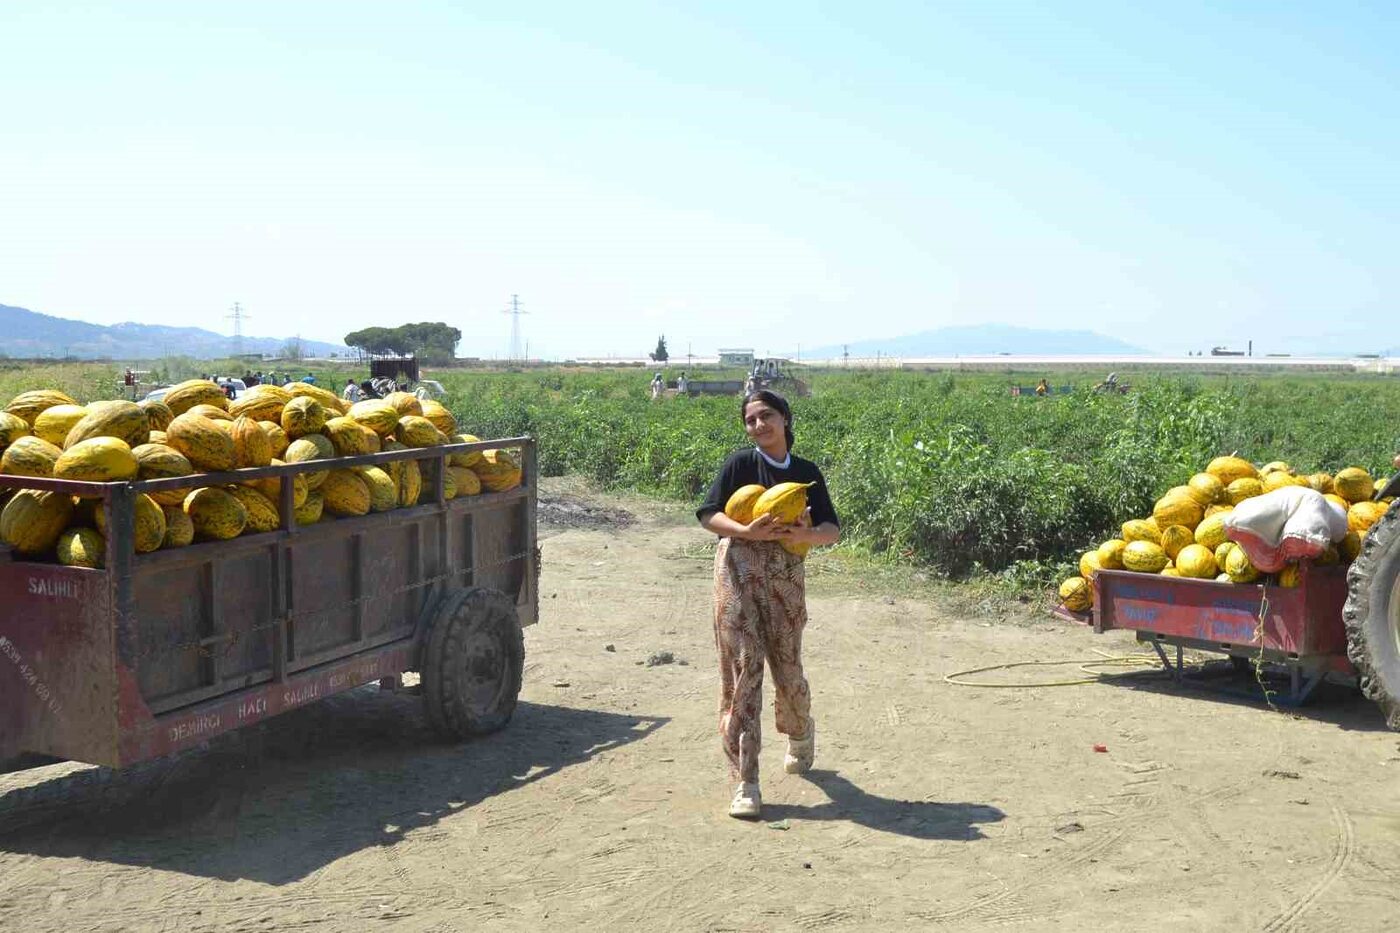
{"x":1185,"y":534}
{"x":196,"y":429}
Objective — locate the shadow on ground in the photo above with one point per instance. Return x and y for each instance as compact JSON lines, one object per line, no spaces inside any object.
{"x":919,"y":819}
{"x":275,"y":803}
{"x":1340,"y":705}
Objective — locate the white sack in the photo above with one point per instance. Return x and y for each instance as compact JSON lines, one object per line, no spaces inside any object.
{"x":1285,"y":525}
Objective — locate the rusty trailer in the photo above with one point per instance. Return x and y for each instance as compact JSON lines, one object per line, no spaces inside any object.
{"x":162,"y":651}
{"x":1298,"y":630}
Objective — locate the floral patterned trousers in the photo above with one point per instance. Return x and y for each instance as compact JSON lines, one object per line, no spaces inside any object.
{"x":760,"y":611}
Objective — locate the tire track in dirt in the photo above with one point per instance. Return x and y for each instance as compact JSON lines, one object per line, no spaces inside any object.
{"x":1343,"y":849}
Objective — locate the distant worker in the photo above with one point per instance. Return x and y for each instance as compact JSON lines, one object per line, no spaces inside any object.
{"x":1042,"y":389}
{"x":682,"y":384}
{"x":657,"y":384}
{"x":309,"y":380}
{"x":422,"y":392}
{"x":352,"y":392}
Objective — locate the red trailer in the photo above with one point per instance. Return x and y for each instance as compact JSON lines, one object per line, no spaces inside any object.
{"x":1297,"y":628}
{"x":161,"y":651}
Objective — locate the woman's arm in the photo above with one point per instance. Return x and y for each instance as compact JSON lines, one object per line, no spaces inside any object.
{"x":762,"y":528}
{"x":823,"y":534}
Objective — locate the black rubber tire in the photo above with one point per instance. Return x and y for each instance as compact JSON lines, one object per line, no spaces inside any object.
{"x":1372,"y":616}
{"x":473,"y":663}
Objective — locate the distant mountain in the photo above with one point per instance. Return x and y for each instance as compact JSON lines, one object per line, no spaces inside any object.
{"x":25,"y":333}
{"x":984,"y":340}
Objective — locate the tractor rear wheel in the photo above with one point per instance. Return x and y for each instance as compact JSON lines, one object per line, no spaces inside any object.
{"x":473,"y":662}
{"x":1372,"y":615}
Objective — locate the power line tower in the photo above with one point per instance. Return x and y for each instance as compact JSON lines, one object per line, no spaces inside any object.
{"x":845,"y":354}
{"x":516,"y":351}
{"x":237,"y":315}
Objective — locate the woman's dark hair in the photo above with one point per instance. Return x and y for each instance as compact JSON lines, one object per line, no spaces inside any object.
{"x":774,"y":401}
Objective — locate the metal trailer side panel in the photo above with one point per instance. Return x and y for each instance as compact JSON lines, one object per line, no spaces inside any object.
{"x":58,"y":685}
{"x":1304,"y":621}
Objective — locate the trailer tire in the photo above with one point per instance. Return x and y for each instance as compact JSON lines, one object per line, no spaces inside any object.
{"x":1372,"y":616}
{"x":473,"y":663}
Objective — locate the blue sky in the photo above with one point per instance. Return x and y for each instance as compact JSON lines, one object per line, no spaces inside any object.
{"x":763,"y":175}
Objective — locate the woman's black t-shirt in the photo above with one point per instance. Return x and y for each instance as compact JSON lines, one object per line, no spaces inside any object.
{"x":748,"y":466}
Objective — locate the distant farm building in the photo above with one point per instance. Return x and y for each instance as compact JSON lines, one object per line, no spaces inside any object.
{"x":742,"y":358}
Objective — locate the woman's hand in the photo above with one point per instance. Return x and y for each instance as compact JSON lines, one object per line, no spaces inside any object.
{"x":763,"y":528}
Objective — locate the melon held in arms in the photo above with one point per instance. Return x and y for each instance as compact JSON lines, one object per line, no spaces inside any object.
{"x":785,"y":502}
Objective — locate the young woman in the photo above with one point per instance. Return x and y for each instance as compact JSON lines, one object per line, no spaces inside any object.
{"x":760,"y":597}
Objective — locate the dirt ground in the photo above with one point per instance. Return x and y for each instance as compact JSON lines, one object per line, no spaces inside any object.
{"x":602,"y":805}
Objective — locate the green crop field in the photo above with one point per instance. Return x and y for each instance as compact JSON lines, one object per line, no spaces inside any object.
{"x":946,"y":471}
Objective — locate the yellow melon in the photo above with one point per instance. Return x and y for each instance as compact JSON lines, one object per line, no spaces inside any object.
{"x":470,"y":459}
{"x":97,"y":460}
{"x":159,"y":461}
{"x":1322,"y":482}
{"x":179,"y":530}
{"x":741,"y":503}
{"x":302,"y":416}
{"x":276,"y":437}
{"x":1176,"y":537}
{"x":346,"y":437}
{"x":261,"y":403}
{"x":33,"y":519}
{"x":1138,"y":529}
{"x":53,"y":424}
{"x":149,"y":527}
{"x":1362,"y":515}
{"x":28,"y":405}
{"x":500,"y":471}
{"x":122,"y":420}
{"x":406,"y":403}
{"x":1239,"y":567}
{"x":1350,"y":546}
{"x":467,"y":482}
{"x":1279,"y":479}
{"x":1277,"y":466}
{"x":1089,"y":564}
{"x":12,"y":428}
{"x":785,"y":502}
{"x":377,"y":415}
{"x":1229,"y":469}
{"x":1144,"y":557}
{"x":186,"y":395}
{"x":345,"y":493}
{"x":1211,"y":531}
{"x":411,"y":483}
{"x":308,"y":448}
{"x":80,"y":547}
{"x":262,"y":513}
{"x":309,"y":512}
{"x":437,"y":413}
{"x":1208,"y":488}
{"x":1110,"y":553}
{"x":158,"y":414}
{"x":383,"y":494}
{"x":202,"y":442}
{"x":1290,"y":576}
{"x":1354,"y":484}
{"x":30,"y":456}
{"x":215,"y":513}
{"x":1197,"y":561}
{"x":1244,"y":488}
{"x":1077,"y":594}
{"x":1180,"y":509}
{"x":251,"y":445}
{"x":416,"y":431}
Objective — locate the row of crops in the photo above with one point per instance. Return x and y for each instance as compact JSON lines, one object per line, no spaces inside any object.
{"x":947,"y":471}
{"x":950,"y":471}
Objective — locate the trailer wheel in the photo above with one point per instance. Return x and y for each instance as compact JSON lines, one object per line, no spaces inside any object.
{"x":472,"y":664}
{"x":1372,"y":616}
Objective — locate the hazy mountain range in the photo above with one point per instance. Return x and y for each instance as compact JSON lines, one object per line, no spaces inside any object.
{"x":25,"y":333}
{"x":984,"y":340}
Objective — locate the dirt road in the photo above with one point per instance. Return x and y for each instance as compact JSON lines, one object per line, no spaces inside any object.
{"x":602,"y":806}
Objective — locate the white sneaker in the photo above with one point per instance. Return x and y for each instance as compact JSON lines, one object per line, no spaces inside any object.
{"x":801,"y":752}
{"x":747,"y":802}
